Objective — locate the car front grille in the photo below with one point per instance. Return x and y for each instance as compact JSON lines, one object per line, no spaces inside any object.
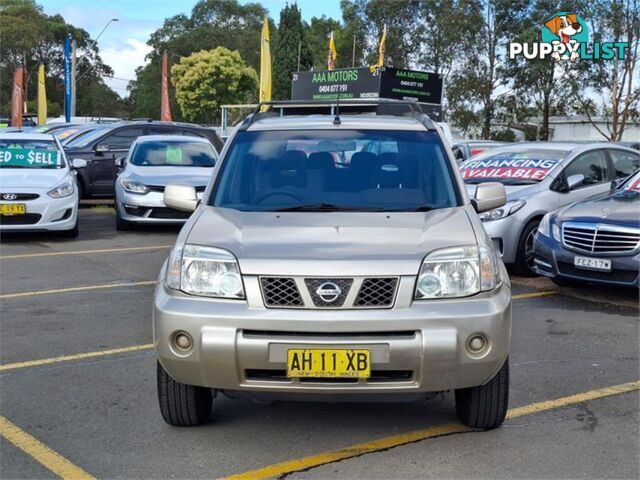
{"x":600,"y":238}
{"x":17,"y":197}
{"x":329,"y":293}
{"x":160,"y":188}
{"x":28,"y":219}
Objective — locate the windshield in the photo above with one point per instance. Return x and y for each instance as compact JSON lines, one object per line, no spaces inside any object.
{"x":335,"y":170}
{"x":174,"y":154}
{"x":514,"y":167}
{"x":85,"y":139}
{"x":19,"y":153}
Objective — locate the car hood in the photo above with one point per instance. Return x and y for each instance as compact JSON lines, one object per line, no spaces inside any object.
{"x":514,"y":192}
{"x":162,"y":176}
{"x":331,"y":243}
{"x":616,"y":208}
{"x":32,"y":177}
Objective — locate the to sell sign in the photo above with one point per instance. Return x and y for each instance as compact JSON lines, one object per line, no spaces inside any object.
{"x":29,"y":157}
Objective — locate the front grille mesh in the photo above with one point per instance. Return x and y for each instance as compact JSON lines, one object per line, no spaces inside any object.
{"x":28,"y":219}
{"x":377,"y":292}
{"x":344,"y":284}
{"x":600,"y":238}
{"x":280,"y":292}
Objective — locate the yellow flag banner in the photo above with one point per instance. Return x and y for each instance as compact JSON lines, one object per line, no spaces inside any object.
{"x":333,"y":54}
{"x":265,"y":63}
{"x":381,"y":50}
{"x":42,"y":97}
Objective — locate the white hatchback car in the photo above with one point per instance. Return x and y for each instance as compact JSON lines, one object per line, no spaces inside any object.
{"x":38,"y":188}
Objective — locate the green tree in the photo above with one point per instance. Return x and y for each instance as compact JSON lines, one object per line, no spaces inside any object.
{"x":318,"y":34}
{"x":208,"y":79}
{"x":290,"y":42}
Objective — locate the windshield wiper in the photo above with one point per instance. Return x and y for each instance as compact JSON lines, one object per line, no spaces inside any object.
{"x":325,"y":207}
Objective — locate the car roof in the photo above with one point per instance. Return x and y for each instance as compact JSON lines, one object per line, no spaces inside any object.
{"x":325,"y":122}
{"x":171,"y":138}
{"x":26,"y":136}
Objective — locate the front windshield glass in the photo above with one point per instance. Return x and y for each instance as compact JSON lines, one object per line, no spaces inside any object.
{"x":174,"y":154}
{"x":19,"y":153}
{"x":332,"y":170}
{"x":511,"y":167}
{"x":82,"y":141}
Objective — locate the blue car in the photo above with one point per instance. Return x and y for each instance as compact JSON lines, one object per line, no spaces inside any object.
{"x":595,"y":241}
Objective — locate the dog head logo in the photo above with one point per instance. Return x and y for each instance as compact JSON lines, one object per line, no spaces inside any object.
{"x":568,"y":29}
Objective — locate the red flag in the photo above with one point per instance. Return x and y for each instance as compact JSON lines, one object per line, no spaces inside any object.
{"x":165,"y":109}
{"x":16,"y":98}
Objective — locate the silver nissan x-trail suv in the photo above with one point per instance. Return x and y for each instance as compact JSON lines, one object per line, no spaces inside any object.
{"x":334,"y":257}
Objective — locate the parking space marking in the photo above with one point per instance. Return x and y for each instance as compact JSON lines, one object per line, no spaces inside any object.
{"x":77,"y":356}
{"x":545,"y":293}
{"x":306,"y":463}
{"x":77,"y":289}
{"x":33,"y":447}
{"x":85,"y":252}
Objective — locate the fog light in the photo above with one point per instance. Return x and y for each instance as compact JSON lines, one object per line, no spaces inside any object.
{"x":182,"y":341}
{"x":476,"y":343}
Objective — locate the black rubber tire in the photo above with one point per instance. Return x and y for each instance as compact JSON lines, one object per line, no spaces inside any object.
{"x":182,"y":405}
{"x":73,"y":233}
{"x":122,"y":225}
{"x":522,"y":266}
{"x":485,"y":406}
{"x":81,"y":188}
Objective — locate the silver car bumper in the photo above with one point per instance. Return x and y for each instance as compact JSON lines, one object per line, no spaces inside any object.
{"x":505,"y":235}
{"x":241,"y":346}
{"x":147,"y":207}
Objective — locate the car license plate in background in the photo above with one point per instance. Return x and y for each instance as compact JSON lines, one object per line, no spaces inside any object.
{"x":328,"y":363}
{"x":603,"y":264}
{"x":13,"y":209}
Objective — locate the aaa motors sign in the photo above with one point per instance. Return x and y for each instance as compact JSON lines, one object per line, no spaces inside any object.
{"x":508,"y":167}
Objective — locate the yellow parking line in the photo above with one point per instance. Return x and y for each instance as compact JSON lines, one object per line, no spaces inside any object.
{"x":77,"y":356}
{"x":85,"y":252}
{"x":33,"y":447}
{"x":312,"y":461}
{"x":545,"y":293}
{"x":77,"y":289}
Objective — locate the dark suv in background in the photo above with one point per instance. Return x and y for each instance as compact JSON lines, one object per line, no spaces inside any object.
{"x":101,"y":148}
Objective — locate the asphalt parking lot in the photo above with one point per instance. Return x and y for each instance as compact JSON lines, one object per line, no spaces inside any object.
{"x":78,"y":394}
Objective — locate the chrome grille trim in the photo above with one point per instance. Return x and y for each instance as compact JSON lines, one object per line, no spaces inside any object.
{"x":313,"y":284}
{"x":600,"y":238}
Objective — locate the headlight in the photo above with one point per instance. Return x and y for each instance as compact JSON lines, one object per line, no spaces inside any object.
{"x":457,"y":272}
{"x":507,"y":209}
{"x":207,"y":271}
{"x":545,"y":226}
{"x":134,"y":187}
{"x":63,"y":190}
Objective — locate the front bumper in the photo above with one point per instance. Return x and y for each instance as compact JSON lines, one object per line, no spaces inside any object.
{"x":43,"y":213}
{"x":241,"y":345}
{"x":147,"y":208}
{"x":505,"y":235}
{"x":554,"y":261}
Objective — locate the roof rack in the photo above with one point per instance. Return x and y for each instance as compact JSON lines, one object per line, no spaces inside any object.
{"x":376,"y":106}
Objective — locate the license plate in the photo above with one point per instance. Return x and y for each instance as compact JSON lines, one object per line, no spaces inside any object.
{"x":13,"y":209}
{"x":320,"y":363}
{"x":603,"y":264}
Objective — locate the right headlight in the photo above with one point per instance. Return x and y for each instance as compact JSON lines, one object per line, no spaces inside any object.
{"x":206,"y":271}
{"x":548,"y":228}
{"x":457,"y":272}
{"x":507,"y":209}
{"x":134,"y":187}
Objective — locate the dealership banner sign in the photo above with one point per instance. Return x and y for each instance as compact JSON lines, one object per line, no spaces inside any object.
{"x":385,"y":82}
{"x":29,"y":157}
{"x":521,"y":168}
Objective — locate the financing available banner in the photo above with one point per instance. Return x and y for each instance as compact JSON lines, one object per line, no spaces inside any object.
{"x":508,"y":167}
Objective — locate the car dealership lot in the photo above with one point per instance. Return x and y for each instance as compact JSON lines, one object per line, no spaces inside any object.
{"x":89,"y":302}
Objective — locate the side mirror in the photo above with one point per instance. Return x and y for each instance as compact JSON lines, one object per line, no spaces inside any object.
{"x":78,"y":163}
{"x":119,"y":162}
{"x":181,"y":197}
{"x":102,"y":147}
{"x":489,"y":195}
{"x":574,"y":181}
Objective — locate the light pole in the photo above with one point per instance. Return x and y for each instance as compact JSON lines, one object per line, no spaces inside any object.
{"x":75,"y":63}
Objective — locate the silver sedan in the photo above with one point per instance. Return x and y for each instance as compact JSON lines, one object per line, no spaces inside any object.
{"x":153,"y":162}
{"x":539,"y":178}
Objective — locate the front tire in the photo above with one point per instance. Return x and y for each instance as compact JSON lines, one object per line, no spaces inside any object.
{"x":72,"y":233}
{"x":524,"y":255}
{"x":121,"y":224}
{"x":485,"y":406}
{"x":182,"y":405}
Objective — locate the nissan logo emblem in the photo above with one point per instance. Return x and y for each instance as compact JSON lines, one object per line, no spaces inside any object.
{"x":9,"y":196}
{"x":329,"y":292}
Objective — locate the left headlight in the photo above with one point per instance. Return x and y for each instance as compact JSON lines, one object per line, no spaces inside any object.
{"x":457,"y":272}
{"x":65,"y":189}
{"x":507,"y":209}
{"x":207,"y":271}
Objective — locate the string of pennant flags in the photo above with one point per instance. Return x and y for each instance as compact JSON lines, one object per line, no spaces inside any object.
{"x":17,"y":93}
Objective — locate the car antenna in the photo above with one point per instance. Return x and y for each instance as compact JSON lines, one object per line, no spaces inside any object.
{"x":336,"y":119}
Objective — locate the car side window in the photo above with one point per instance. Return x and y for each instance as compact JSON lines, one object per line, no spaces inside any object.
{"x":624,"y":163}
{"x":122,"y":139}
{"x":593,"y":165}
